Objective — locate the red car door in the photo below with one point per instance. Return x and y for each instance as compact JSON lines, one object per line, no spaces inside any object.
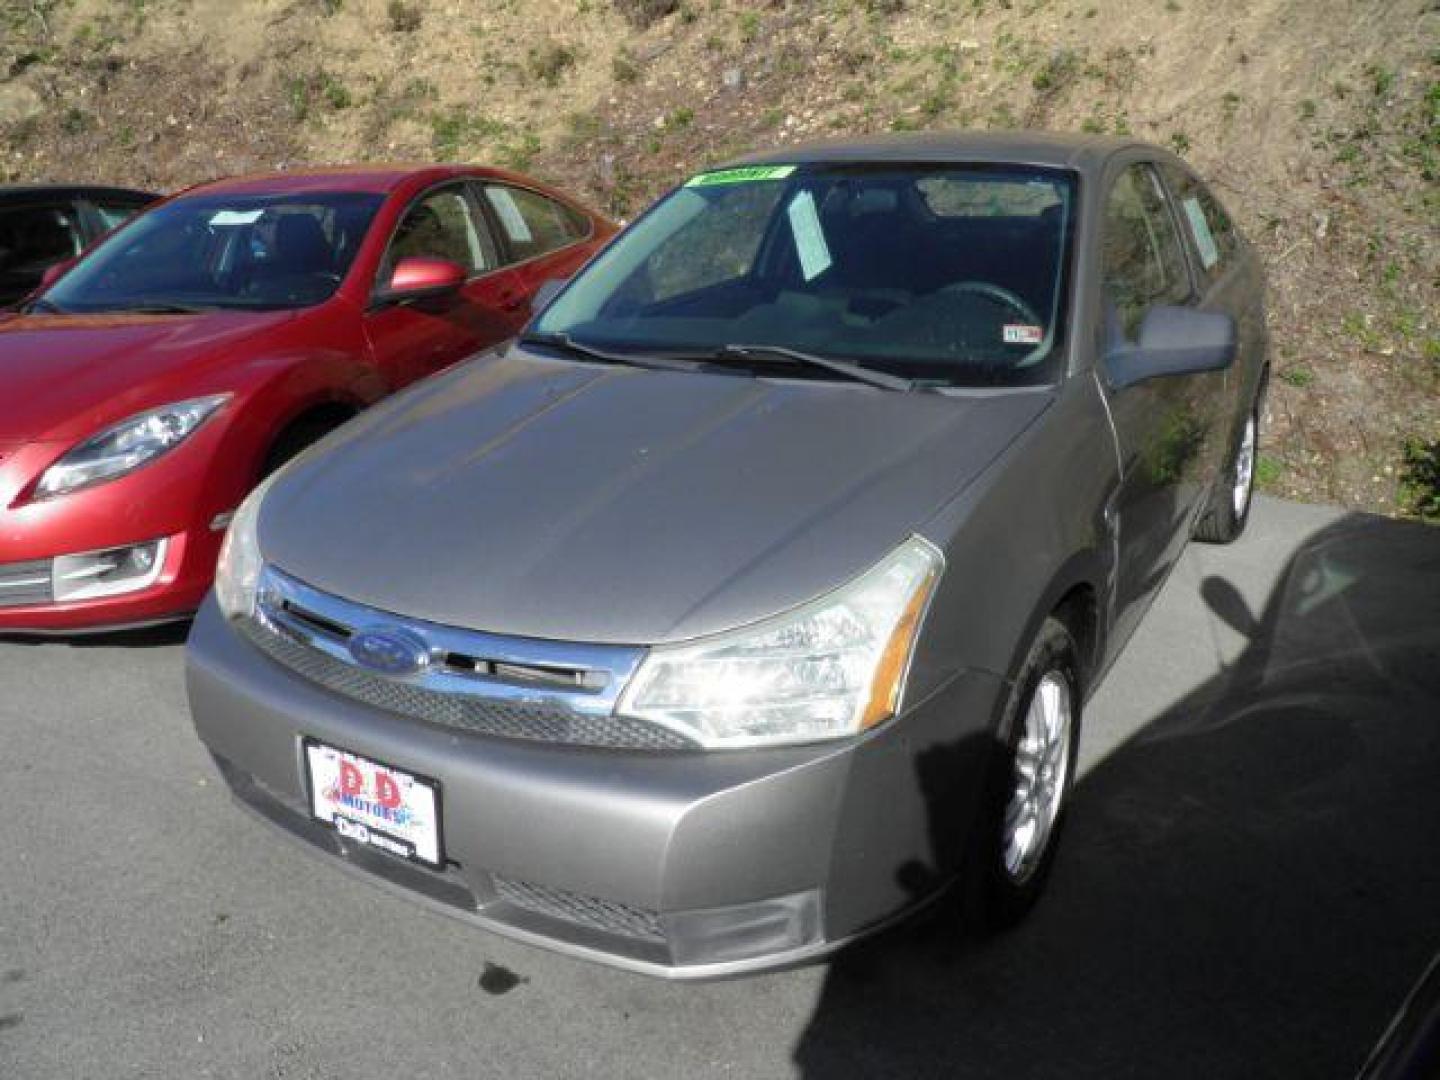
{"x":418,"y":338}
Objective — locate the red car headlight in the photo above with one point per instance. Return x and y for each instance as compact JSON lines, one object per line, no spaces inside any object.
{"x":124,"y":447}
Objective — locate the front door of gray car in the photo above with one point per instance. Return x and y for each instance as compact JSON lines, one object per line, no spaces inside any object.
{"x":1229,"y":281}
{"x":1162,"y":424}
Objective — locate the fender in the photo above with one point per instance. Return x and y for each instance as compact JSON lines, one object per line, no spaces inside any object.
{"x":1090,"y":569}
{"x":1013,"y":554}
{"x":277,"y":389}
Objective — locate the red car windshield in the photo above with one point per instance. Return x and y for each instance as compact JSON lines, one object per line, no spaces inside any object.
{"x":213,"y":251}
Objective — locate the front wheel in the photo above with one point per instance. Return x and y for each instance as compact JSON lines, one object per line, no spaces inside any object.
{"x":1031,"y":779}
{"x":1224,"y":519}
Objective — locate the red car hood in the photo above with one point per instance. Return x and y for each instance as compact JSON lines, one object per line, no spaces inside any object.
{"x":62,"y":377}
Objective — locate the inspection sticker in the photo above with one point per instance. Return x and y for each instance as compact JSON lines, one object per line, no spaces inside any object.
{"x":743,"y":175}
{"x":1020,"y":334}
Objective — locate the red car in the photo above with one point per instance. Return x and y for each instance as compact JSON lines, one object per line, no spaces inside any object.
{"x":147,"y":388}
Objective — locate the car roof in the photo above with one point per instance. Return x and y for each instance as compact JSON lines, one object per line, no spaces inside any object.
{"x":30,"y":192}
{"x":1083,"y":153}
{"x":378,"y":179}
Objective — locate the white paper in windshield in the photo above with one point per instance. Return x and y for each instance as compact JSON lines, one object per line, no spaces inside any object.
{"x":515,"y":224}
{"x":1204,"y":239}
{"x":235,"y":217}
{"x":809,"y":239}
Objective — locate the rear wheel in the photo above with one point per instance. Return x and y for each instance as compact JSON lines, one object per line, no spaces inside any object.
{"x":1224,"y":519}
{"x":1031,"y":779}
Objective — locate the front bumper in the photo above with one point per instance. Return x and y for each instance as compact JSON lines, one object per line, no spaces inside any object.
{"x":170,"y":500}
{"x":183,"y":579}
{"x":683,"y":864}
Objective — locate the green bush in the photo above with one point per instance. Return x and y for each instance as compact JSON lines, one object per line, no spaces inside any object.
{"x":404,"y":18}
{"x":1420,"y":478}
{"x":548,"y":61}
{"x":643,"y":13}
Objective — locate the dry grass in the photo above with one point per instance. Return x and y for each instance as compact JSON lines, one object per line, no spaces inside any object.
{"x":1318,"y":120}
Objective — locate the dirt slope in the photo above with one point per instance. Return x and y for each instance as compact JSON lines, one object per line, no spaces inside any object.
{"x":1318,"y":120}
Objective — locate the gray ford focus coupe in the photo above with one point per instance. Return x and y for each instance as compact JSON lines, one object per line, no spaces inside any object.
{"x":752,"y":597}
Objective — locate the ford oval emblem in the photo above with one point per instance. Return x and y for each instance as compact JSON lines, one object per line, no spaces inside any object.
{"x":390,"y":651}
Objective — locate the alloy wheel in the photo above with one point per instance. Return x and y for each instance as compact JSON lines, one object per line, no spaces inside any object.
{"x":1042,"y":768}
{"x":1244,"y":470}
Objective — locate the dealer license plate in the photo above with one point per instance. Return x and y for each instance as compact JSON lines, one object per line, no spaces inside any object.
{"x":374,"y":804}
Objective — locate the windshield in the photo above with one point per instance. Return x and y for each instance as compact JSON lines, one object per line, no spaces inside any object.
{"x":947,"y":275}
{"x":222,"y":251}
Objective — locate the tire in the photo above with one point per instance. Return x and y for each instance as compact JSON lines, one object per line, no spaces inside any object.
{"x":1224,"y":519}
{"x":1013,"y":871}
{"x":297,"y":437}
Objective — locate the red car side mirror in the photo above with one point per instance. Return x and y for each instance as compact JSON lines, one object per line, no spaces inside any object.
{"x":420,"y":277}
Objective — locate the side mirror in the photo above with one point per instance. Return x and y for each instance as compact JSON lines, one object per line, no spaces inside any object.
{"x":1174,"y":341}
{"x":548,"y":290}
{"x":421,"y":278}
{"x":54,"y":272}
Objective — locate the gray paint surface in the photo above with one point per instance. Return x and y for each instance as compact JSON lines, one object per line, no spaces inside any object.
{"x":1252,"y":839}
{"x":540,"y":497}
{"x":543,"y":498}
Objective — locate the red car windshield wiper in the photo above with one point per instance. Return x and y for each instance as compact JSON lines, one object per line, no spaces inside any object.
{"x":750,"y":354}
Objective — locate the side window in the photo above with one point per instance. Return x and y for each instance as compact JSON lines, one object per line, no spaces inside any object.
{"x":1144,"y":263}
{"x":112,"y":215}
{"x":35,"y":237}
{"x":442,"y":225}
{"x":533,"y":225}
{"x":1210,"y":227}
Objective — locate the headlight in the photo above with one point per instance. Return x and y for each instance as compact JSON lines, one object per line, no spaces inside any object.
{"x":126,"y":446}
{"x":829,"y":669}
{"x":238,"y":573}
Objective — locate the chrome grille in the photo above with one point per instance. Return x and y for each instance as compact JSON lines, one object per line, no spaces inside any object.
{"x":25,"y":583}
{"x":607,"y":915}
{"x":484,"y":684}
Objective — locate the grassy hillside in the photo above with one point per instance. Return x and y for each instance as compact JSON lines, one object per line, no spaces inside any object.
{"x":1318,"y":120}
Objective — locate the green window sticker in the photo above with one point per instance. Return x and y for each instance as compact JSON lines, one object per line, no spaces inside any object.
{"x":745,"y":175}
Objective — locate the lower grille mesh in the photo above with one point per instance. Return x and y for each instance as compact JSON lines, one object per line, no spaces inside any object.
{"x":473,"y":714}
{"x":25,"y":583}
{"x":606,"y":915}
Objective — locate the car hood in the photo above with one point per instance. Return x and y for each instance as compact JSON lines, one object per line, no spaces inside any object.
{"x":63,"y":377}
{"x":543,"y":498}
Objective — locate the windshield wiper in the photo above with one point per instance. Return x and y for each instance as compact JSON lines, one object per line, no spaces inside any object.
{"x":751,"y":353}
{"x":563,"y":341}
{"x":42,"y":304}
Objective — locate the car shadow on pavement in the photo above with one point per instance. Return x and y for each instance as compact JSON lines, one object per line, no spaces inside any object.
{"x":1246,"y":888}
{"x":143,"y":637}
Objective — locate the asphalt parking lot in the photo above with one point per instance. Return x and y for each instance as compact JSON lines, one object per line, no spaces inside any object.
{"x":1249,"y":884}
